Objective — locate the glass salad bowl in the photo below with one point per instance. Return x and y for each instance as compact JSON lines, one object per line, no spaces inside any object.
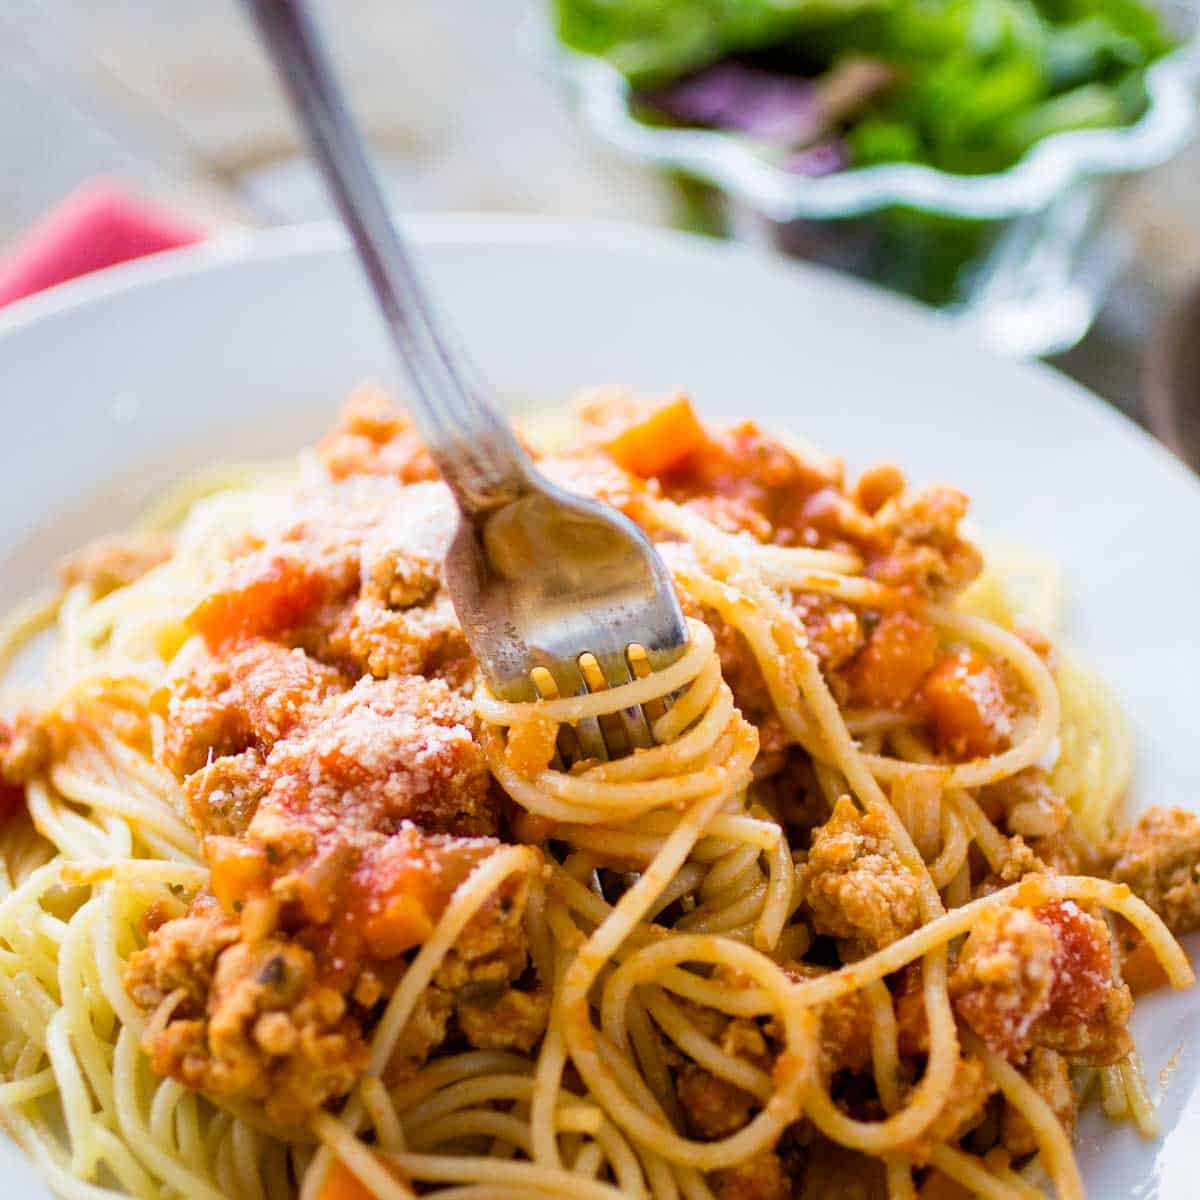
{"x":1021,"y":255}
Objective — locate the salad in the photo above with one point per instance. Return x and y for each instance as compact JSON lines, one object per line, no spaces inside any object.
{"x":965,"y":86}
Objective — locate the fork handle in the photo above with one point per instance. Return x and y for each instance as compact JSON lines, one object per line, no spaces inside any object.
{"x":471,"y":443}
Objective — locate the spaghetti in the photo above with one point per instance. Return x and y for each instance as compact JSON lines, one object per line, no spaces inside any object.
{"x":832,"y":924}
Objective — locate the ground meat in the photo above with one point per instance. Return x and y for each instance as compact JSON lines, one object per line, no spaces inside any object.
{"x":372,"y":638}
{"x":278,"y":1014}
{"x":180,"y":958}
{"x":739,"y":477}
{"x":512,"y":1020}
{"x":1159,"y":859}
{"x":1020,"y":862}
{"x":373,"y":437}
{"x":1004,"y":978}
{"x":762,"y":1177}
{"x":28,"y":745}
{"x":383,"y":752}
{"x":966,"y":707}
{"x":250,"y":697}
{"x":855,"y":885}
{"x":1025,"y":804}
{"x":223,"y":796}
{"x":391,"y":902}
{"x":831,"y":1172}
{"x":402,"y":621}
{"x":1066,"y":852}
{"x":1042,"y":978}
{"x":1044,"y":834}
{"x":349,"y":772}
{"x":845,"y":1026}
{"x":899,"y":653}
{"x":835,"y":633}
{"x":115,"y":562}
{"x":591,"y":472}
{"x":714,"y":1107}
{"x":605,"y":410}
{"x":919,"y":544}
{"x":400,"y":576}
{"x":246,"y":1021}
{"x":831,"y":517}
{"x":490,"y":952}
{"x":964,"y":1109}
{"x":745,"y":481}
{"x":1050,"y":1076}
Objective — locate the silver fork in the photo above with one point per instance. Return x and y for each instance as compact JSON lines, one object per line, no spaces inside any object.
{"x":540,"y":578}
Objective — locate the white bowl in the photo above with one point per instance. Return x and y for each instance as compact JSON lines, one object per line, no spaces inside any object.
{"x":110,"y":387}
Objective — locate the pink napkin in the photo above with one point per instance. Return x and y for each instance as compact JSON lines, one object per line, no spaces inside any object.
{"x":99,"y":225}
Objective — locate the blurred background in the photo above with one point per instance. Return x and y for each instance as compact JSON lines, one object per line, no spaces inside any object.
{"x":467,"y":106}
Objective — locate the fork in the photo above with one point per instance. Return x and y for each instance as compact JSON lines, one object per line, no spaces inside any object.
{"x":557,"y":594}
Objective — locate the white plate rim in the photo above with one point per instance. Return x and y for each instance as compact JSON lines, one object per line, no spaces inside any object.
{"x":230,"y":249}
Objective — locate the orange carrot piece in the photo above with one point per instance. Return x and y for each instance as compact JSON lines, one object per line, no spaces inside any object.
{"x":666,"y":437}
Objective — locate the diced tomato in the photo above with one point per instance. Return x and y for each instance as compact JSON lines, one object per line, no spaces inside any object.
{"x":259,"y":597}
{"x":239,"y":870}
{"x":898,"y":655}
{"x":965,"y":703}
{"x":401,"y":923}
{"x":666,"y":437}
{"x":396,"y":897}
{"x":1082,"y":963}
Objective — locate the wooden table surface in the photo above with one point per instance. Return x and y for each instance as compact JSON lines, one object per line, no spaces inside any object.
{"x":175,"y":97}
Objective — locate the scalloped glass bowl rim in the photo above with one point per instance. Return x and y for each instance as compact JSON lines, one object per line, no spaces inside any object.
{"x":738,"y":166}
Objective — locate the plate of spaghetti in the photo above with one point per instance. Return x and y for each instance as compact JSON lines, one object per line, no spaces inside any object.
{"x":292,"y":907}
